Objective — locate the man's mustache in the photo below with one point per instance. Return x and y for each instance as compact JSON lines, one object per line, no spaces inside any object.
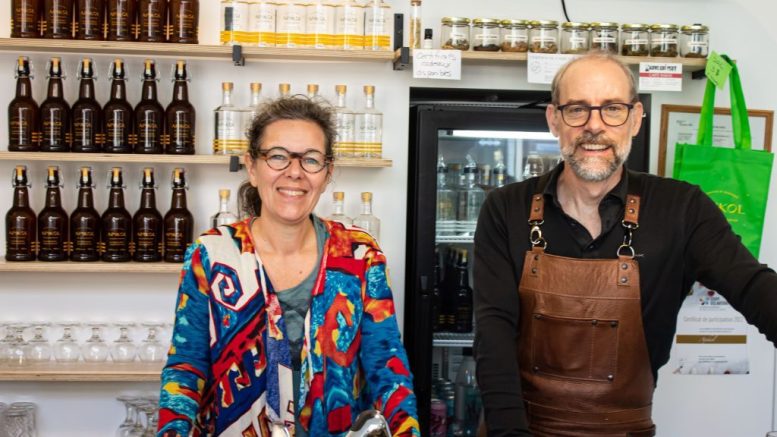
{"x":589,"y":138}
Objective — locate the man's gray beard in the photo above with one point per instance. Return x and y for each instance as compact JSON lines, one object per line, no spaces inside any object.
{"x":586,"y":174}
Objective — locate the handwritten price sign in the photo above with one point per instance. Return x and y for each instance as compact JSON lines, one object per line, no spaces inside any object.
{"x":437,"y":64}
{"x":717,"y":69}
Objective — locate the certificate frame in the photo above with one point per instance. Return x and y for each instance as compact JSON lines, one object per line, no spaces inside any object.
{"x":679,"y":123}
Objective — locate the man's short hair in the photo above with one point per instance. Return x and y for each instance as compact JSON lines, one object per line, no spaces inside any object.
{"x":593,"y":55}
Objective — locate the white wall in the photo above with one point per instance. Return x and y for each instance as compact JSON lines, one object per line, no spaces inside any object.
{"x":685,"y":405}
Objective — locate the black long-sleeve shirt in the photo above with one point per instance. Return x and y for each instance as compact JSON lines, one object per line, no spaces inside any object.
{"x":682,"y":237}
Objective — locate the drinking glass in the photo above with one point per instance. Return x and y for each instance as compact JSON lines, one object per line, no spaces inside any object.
{"x":130,"y":427}
{"x":95,"y":350}
{"x":18,"y":420}
{"x":66,"y":348}
{"x":39,"y":348}
{"x":17,"y":348}
{"x":535,"y":166}
{"x":123,"y":349}
{"x":5,"y":343}
{"x":150,"y":410}
{"x":152,"y":350}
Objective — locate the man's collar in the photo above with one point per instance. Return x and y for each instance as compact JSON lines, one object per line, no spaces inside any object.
{"x":619,"y":191}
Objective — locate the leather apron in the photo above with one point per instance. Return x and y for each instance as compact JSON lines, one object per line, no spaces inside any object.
{"x":582,"y":353}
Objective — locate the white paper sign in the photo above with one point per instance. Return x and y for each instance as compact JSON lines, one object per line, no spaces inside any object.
{"x":542,"y":67}
{"x":658,"y":76}
{"x":437,"y":64}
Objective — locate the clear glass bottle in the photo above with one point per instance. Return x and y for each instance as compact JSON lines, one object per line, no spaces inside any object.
{"x":467,"y":403}
{"x":604,"y":37}
{"x":366,"y":220}
{"x":454,"y":34}
{"x":320,"y":27}
{"x":261,"y":23}
{"x":256,"y":104}
{"x":234,"y":22}
{"x":414,"y":35}
{"x":635,"y":40}
{"x":543,"y":36}
{"x":313,"y":91}
{"x":230,"y":136}
{"x":345,"y":125}
{"x":515,"y":36}
{"x":663,"y":40}
{"x":485,"y":35}
{"x":378,"y":26}
{"x":574,"y":37}
{"x":291,"y":24}
{"x":349,"y":28}
{"x":338,"y":209}
{"x":284,"y":90}
{"x":500,"y":169}
{"x":694,"y":41}
{"x":369,"y":128}
{"x":224,"y":216}
{"x":471,"y":197}
{"x":447,"y":200}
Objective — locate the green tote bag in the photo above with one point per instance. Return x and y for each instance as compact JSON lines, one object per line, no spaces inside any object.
{"x":737,"y":178}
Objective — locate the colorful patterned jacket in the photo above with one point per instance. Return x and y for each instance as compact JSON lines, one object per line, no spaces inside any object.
{"x":228,"y":350}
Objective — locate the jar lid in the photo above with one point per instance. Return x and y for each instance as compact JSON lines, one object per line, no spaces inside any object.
{"x":514,"y":23}
{"x":635,"y":26}
{"x":455,"y":20}
{"x":665,"y":27}
{"x":604,"y":25}
{"x":485,"y":21}
{"x":544,"y":23}
{"x":695,"y":28}
{"x":574,"y":25}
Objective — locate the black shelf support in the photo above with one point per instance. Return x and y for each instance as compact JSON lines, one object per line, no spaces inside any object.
{"x":402,"y":54}
{"x":234,"y":163}
{"x":698,"y":74}
{"x":237,"y":55}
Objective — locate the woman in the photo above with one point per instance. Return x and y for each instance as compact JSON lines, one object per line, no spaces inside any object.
{"x":285,"y":318}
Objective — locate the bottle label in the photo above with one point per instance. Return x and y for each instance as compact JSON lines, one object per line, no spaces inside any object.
{"x":58,"y":19}
{"x":184,"y":23}
{"x":350,"y":21}
{"x":117,"y":240}
{"x":291,"y":19}
{"x":84,"y":239}
{"x":119,"y":20}
{"x":51,"y":239}
{"x":152,"y":21}
{"x":228,"y":125}
{"x":19,"y":240}
{"x":20,"y":127}
{"x":83,"y":128}
{"x":344,"y":124}
{"x":90,"y":23}
{"x":149,"y":131}
{"x":262,"y":17}
{"x":379,"y":23}
{"x":181,"y":130}
{"x":53,"y":127}
{"x":369,"y":129}
{"x":320,"y":20}
{"x":146,"y":240}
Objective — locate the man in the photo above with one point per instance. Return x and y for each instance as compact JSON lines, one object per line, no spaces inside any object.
{"x":584,"y":271}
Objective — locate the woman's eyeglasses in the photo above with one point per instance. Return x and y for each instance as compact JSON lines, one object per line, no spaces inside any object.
{"x":311,"y":161}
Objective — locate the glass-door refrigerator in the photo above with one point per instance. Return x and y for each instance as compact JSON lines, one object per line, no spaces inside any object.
{"x":463,"y":143}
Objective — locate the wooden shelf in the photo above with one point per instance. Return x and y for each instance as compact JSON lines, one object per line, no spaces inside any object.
{"x":83,"y":372}
{"x":88,"y":267}
{"x":187,"y":51}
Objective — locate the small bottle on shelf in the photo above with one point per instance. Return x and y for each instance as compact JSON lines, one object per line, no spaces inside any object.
{"x":369,"y":128}
{"x":152,"y":20}
{"x":116,"y":223}
{"x":85,"y":222}
{"x":366,"y":220}
{"x":349,"y":28}
{"x":20,"y":221}
{"x":184,"y":27}
{"x":256,"y":103}
{"x":147,"y":222}
{"x":121,"y":20}
{"x":414,"y":35}
{"x":57,"y":19}
{"x":313,"y":92}
{"x":344,"y":124}
{"x":23,"y":112}
{"x":178,"y":222}
{"x":229,"y":125}
{"x":428,"y":43}
{"x":180,"y":116}
{"x":338,"y":209}
{"x":500,"y":170}
{"x":53,"y":221}
{"x":378,"y":26}
{"x":224,"y":216}
{"x":118,"y":114}
{"x":87,"y":114}
{"x":89,"y":20}
{"x":25,"y":18}
{"x":55,"y":113}
{"x":471,"y":196}
{"x":149,"y":114}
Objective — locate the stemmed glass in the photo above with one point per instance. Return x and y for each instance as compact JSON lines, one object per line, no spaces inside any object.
{"x":95,"y":350}
{"x":5,"y":343}
{"x":39,"y":348}
{"x":17,"y":349}
{"x":152,"y":350}
{"x":123,"y":349}
{"x":131,"y":425}
{"x":150,"y":410}
{"x":66,"y":348}
{"x":535,"y":166}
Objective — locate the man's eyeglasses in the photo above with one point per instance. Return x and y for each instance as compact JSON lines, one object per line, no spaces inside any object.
{"x":613,"y":114}
{"x":278,"y":158}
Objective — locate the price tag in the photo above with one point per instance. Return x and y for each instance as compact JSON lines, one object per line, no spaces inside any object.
{"x":659,"y":76}
{"x":542,"y":67}
{"x":717,"y":69}
{"x":437,"y":64}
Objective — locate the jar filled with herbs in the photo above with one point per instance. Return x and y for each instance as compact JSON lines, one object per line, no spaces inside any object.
{"x":635,"y":40}
{"x":515,"y":35}
{"x":485,"y":35}
{"x":604,"y":37}
{"x":543,"y":36}
{"x":694,"y":41}
{"x":455,"y":33}
{"x":663,"y":40}
{"x":574,"y":37}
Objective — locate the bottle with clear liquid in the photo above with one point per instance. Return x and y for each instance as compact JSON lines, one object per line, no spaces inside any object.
{"x":349,"y":27}
{"x":338,"y":209}
{"x":366,"y":220}
{"x":378,"y":26}
{"x":256,"y":102}
{"x":284,"y":90}
{"x":471,"y":196}
{"x":230,"y":132}
{"x":313,"y":94}
{"x":500,"y":169}
{"x":224,"y":216}
{"x":369,"y":128}
{"x":447,"y":199}
{"x":345,"y":121}
{"x":414,"y":40}
{"x":467,"y":399}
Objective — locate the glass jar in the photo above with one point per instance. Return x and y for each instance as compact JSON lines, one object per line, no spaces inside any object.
{"x":485,"y":35}
{"x":574,"y":37}
{"x":515,"y":35}
{"x":543,"y":36}
{"x":604,"y":37}
{"x":455,"y":33}
{"x":663,"y":40}
{"x":694,"y":41}
{"x":635,"y":40}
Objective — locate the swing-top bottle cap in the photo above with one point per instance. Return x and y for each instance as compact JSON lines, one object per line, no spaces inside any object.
{"x":52,"y":176}
{"x":256,"y":87}
{"x":148,"y":178}
{"x":87,"y":68}
{"x":149,"y":69}
{"x":117,"y":181}
{"x":85,"y":177}
{"x":117,"y":69}
{"x":179,"y":178}
{"x":180,"y":70}
{"x":55,"y":67}
{"x":23,"y":66}
{"x":20,"y":176}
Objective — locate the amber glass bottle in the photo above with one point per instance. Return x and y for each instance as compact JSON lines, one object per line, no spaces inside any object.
{"x":116,"y":223}
{"x":52,"y":221}
{"x":91,"y":16}
{"x":180,"y":116}
{"x":149,"y":114}
{"x":57,"y":19}
{"x":118,"y":114}
{"x":184,"y":21}
{"x":20,"y":222}
{"x":85,"y":222}
{"x":152,"y":20}
{"x":87,"y":114}
{"x":179,"y":223}
{"x":25,"y":16}
{"x":23,"y":113}
{"x":55,"y":113}
{"x":147,"y":222}
{"x":121,"y":20}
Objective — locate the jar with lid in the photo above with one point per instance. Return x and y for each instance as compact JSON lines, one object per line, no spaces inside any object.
{"x":455,"y":33}
{"x":574,"y":37}
{"x":485,"y":35}
{"x":543,"y":36}
{"x":663,"y":40}
{"x":515,"y":35}
{"x":604,"y":37}
{"x":694,"y":41}
{"x":635,"y":40}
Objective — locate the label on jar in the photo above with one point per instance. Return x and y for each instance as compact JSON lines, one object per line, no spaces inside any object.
{"x":458,"y":38}
{"x":350,"y":20}
{"x":577,"y":41}
{"x":321,"y":20}
{"x":486,"y":39}
{"x":635,"y":42}
{"x":543,"y":39}
{"x":697,"y":44}
{"x":262,"y":17}
{"x":513,"y":38}
{"x":291,"y":19}
{"x":665,"y":40}
{"x":604,"y":39}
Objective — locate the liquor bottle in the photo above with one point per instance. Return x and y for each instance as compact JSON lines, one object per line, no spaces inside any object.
{"x":500,"y":170}
{"x":447,"y":200}
{"x":149,"y":114}
{"x":338,"y":209}
{"x":152,"y":20}
{"x":349,"y":25}
{"x":180,"y":116}
{"x":85,"y":222}
{"x":57,"y":19}
{"x":25,"y":16}
{"x":23,"y":112}
{"x":378,"y":26}
{"x":178,"y":223}
{"x":116,"y":223}
{"x":320,"y":27}
{"x":229,"y":125}
{"x":147,"y":222}
{"x":284,"y":90}
{"x":20,"y":221}
{"x":53,"y":222}
{"x":313,"y":92}
{"x":344,"y":124}
{"x":118,"y":114}
{"x":369,"y":128}
{"x":55,"y":113}
{"x":261,"y":22}
{"x":463,"y":296}
{"x":414,"y":36}
{"x":224,"y":216}
{"x":291,"y":23}
{"x":366,"y":220}
{"x":467,"y":399}
{"x":121,"y":20}
{"x":448,"y":291}
{"x":87,"y":114}
{"x":89,"y":25}
{"x":471,"y":196}
{"x":184,"y":21}
{"x":255,"y":106}
{"x":234,"y":22}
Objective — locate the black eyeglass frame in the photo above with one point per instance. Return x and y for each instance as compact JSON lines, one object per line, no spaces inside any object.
{"x":591,"y":109}
{"x":263,"y":155}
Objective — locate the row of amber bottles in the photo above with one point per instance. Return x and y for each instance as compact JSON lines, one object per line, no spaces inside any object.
{"x":116,"y":127}
{"x":115,"y":20}
{"x":114,"y":236}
